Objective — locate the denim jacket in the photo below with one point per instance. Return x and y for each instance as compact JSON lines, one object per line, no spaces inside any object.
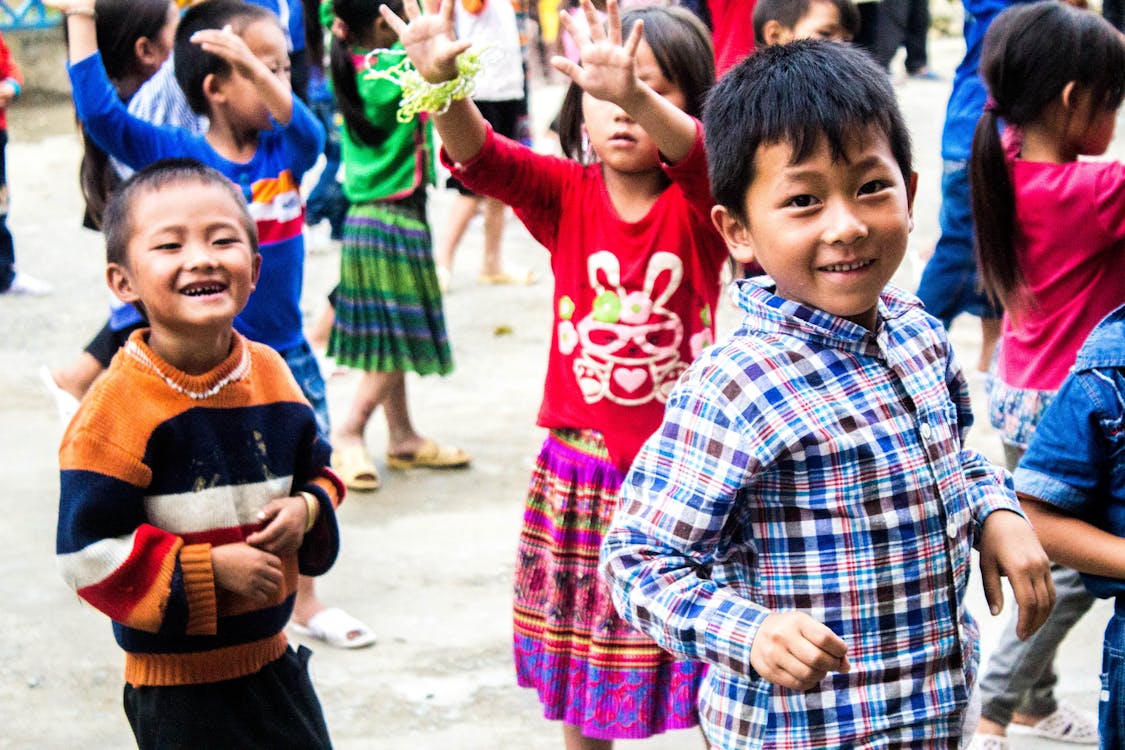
{"x":1076,"y":459}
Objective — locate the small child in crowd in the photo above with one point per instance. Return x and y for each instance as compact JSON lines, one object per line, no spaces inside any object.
{"x":232,"y":63}
{"x":781,"y":21}
{"x":198,"y":578}
{"x":12,"y":281}
{"x":636,"y":264}
{"x":1072,"y":484}
{"x":803,"y":520}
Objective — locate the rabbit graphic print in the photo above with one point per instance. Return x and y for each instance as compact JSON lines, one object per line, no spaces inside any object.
{"x":627,"y":346}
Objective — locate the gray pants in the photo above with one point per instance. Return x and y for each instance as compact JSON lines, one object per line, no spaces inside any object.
{"x":1020,"y":675}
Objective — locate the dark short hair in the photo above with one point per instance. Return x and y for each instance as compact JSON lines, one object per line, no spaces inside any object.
{"x":682,"y":47}
{"x":192,"y":64}
{"x":117,"y":224}
{"x":797,"y":94}
{"x":789,"y":12}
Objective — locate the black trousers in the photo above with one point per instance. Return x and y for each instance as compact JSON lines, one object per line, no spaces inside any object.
{"x":274,"y":708}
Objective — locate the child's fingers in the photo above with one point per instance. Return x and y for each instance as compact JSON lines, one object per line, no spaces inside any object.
{"x":634,"y":40}
{"x":580,"y":36}
{"x":824,"y":639}
{"x":613,"y":22}
{"x":1035,"y":597}
{"x":990,"y":582}
{"x":446,"y":9}
{"x":567,"y":67}
{"x":411,"y":10}
{"x":597,"y":33}
{"x":392,"y":19}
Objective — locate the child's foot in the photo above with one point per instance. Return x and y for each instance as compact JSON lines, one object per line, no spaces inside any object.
{"x":1066,"y":724}
{"x":425,"y":453}
{"x":27,"y":285}
{"x":335,"y":627}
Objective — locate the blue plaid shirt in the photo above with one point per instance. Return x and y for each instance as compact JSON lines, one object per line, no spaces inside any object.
{"x":810,"y":464}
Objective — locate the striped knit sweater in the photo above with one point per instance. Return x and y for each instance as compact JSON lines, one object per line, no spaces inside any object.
{"x":152,"y":478}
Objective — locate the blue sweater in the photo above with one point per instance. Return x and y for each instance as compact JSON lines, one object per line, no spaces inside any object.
{"x":270,"y":181}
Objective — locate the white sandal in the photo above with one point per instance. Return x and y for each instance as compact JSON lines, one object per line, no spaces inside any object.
{"x":988,"y":742}
{"x":335,"y":627}
{"x":1066,"y":724}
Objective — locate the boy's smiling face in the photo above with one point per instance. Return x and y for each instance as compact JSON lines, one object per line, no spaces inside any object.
{"x":190,"y":261}
{"x":830,"y":232}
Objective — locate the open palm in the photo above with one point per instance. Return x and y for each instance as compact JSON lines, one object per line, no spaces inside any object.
{"x":428,"y":38}
{"x":608,"y":67}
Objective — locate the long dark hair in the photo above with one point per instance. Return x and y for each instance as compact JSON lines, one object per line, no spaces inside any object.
{"x":119,"y":24}
{"x":360,"y":17}
{"x":681,"y":45}
{"x":1031,"y":52}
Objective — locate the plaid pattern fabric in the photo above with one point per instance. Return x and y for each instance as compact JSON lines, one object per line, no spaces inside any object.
{"x":809,"y":464}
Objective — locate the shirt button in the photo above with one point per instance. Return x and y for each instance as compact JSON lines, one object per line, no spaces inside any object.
{"x":951,"y":530}
{"x":924,"y":428}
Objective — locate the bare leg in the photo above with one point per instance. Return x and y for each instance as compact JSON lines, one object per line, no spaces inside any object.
{"x":401,"y":435}
{"x":372,"y":391}
{"x":987,"y":726}
{"x":989,"y":336}
{"x":321,"y":329}
{"x":307,"y":604}
{"x":575,"y":740}
{"x":462,"y":211}
{"x":493,"y":234}
{"x":77,"y":377}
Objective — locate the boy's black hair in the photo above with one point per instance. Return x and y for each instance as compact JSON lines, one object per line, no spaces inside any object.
{"x":789,"y":12}
{"x":193,"y":65}
{"x":1031,"y":52}
{"x":797,"y":94}
{"x":682,"y":47}
{"x":118,"y":221}
{"x":360,"y":16}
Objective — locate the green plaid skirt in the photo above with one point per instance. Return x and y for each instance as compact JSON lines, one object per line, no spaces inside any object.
{"x":388,"y":304}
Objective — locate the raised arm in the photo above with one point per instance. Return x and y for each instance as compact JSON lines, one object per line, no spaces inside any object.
{"x":433,"y":47}
{"x":81,"y":33}
{"x":271,"y":86}
{"x":608,"y":71}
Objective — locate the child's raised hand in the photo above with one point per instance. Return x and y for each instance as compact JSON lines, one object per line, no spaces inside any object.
{"x":246,"y":570}
{"x":795,"y":651}
{"x":428,"y":38}
{"x":608,"y":67}
{"x":1009,"y":547}
{"x":232,"y":48}
{"x":283,"y":526}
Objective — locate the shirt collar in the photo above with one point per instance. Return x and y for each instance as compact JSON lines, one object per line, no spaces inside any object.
{"x":768,"y":312}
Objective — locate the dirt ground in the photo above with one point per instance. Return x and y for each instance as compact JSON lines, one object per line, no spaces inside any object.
{"x":426,"y":561}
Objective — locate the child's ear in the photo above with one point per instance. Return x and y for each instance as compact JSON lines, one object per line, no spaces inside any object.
{"x":773,"y":32}
{"x":255,"y":270}
{"x":213,"y":89}
{"x":734,"y":232}
{"x":120,"y":283}
{"x":1069,"y":99}
{"x":911,"y":191}
{"x":147,"y":54}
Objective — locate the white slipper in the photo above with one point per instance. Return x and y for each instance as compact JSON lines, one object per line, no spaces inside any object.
{"x":64,"y":402}
{"x":334,"y":626}
{"x":988,"y":742}
{"x":1066,"y":724}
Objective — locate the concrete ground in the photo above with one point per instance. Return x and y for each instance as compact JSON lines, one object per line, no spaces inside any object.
{"x":426,"y":561}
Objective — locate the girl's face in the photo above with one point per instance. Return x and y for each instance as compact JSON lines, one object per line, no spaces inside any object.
{"x":267,"y":42}
{"x":620,"y":143}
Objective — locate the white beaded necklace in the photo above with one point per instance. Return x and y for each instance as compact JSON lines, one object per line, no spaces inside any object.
{"x":239,"y":372}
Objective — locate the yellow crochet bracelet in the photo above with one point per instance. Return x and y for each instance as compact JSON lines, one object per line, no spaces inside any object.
{"x":418,"y":94}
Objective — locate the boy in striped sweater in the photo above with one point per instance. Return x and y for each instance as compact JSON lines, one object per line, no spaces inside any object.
{"x":194,"y":488}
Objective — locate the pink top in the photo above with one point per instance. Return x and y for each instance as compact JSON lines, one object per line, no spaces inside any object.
{"x":1071,"y":245}
{"x":633,"y":301}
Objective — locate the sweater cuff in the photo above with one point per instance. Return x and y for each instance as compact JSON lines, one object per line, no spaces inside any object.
{"x":199,"y":585}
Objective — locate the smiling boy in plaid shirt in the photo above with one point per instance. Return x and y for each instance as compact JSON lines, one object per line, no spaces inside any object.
{"x":803,"y":520}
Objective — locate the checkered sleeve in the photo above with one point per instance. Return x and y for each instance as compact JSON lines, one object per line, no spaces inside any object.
{"x":990,"y":486}
{"x":670,"y":529}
